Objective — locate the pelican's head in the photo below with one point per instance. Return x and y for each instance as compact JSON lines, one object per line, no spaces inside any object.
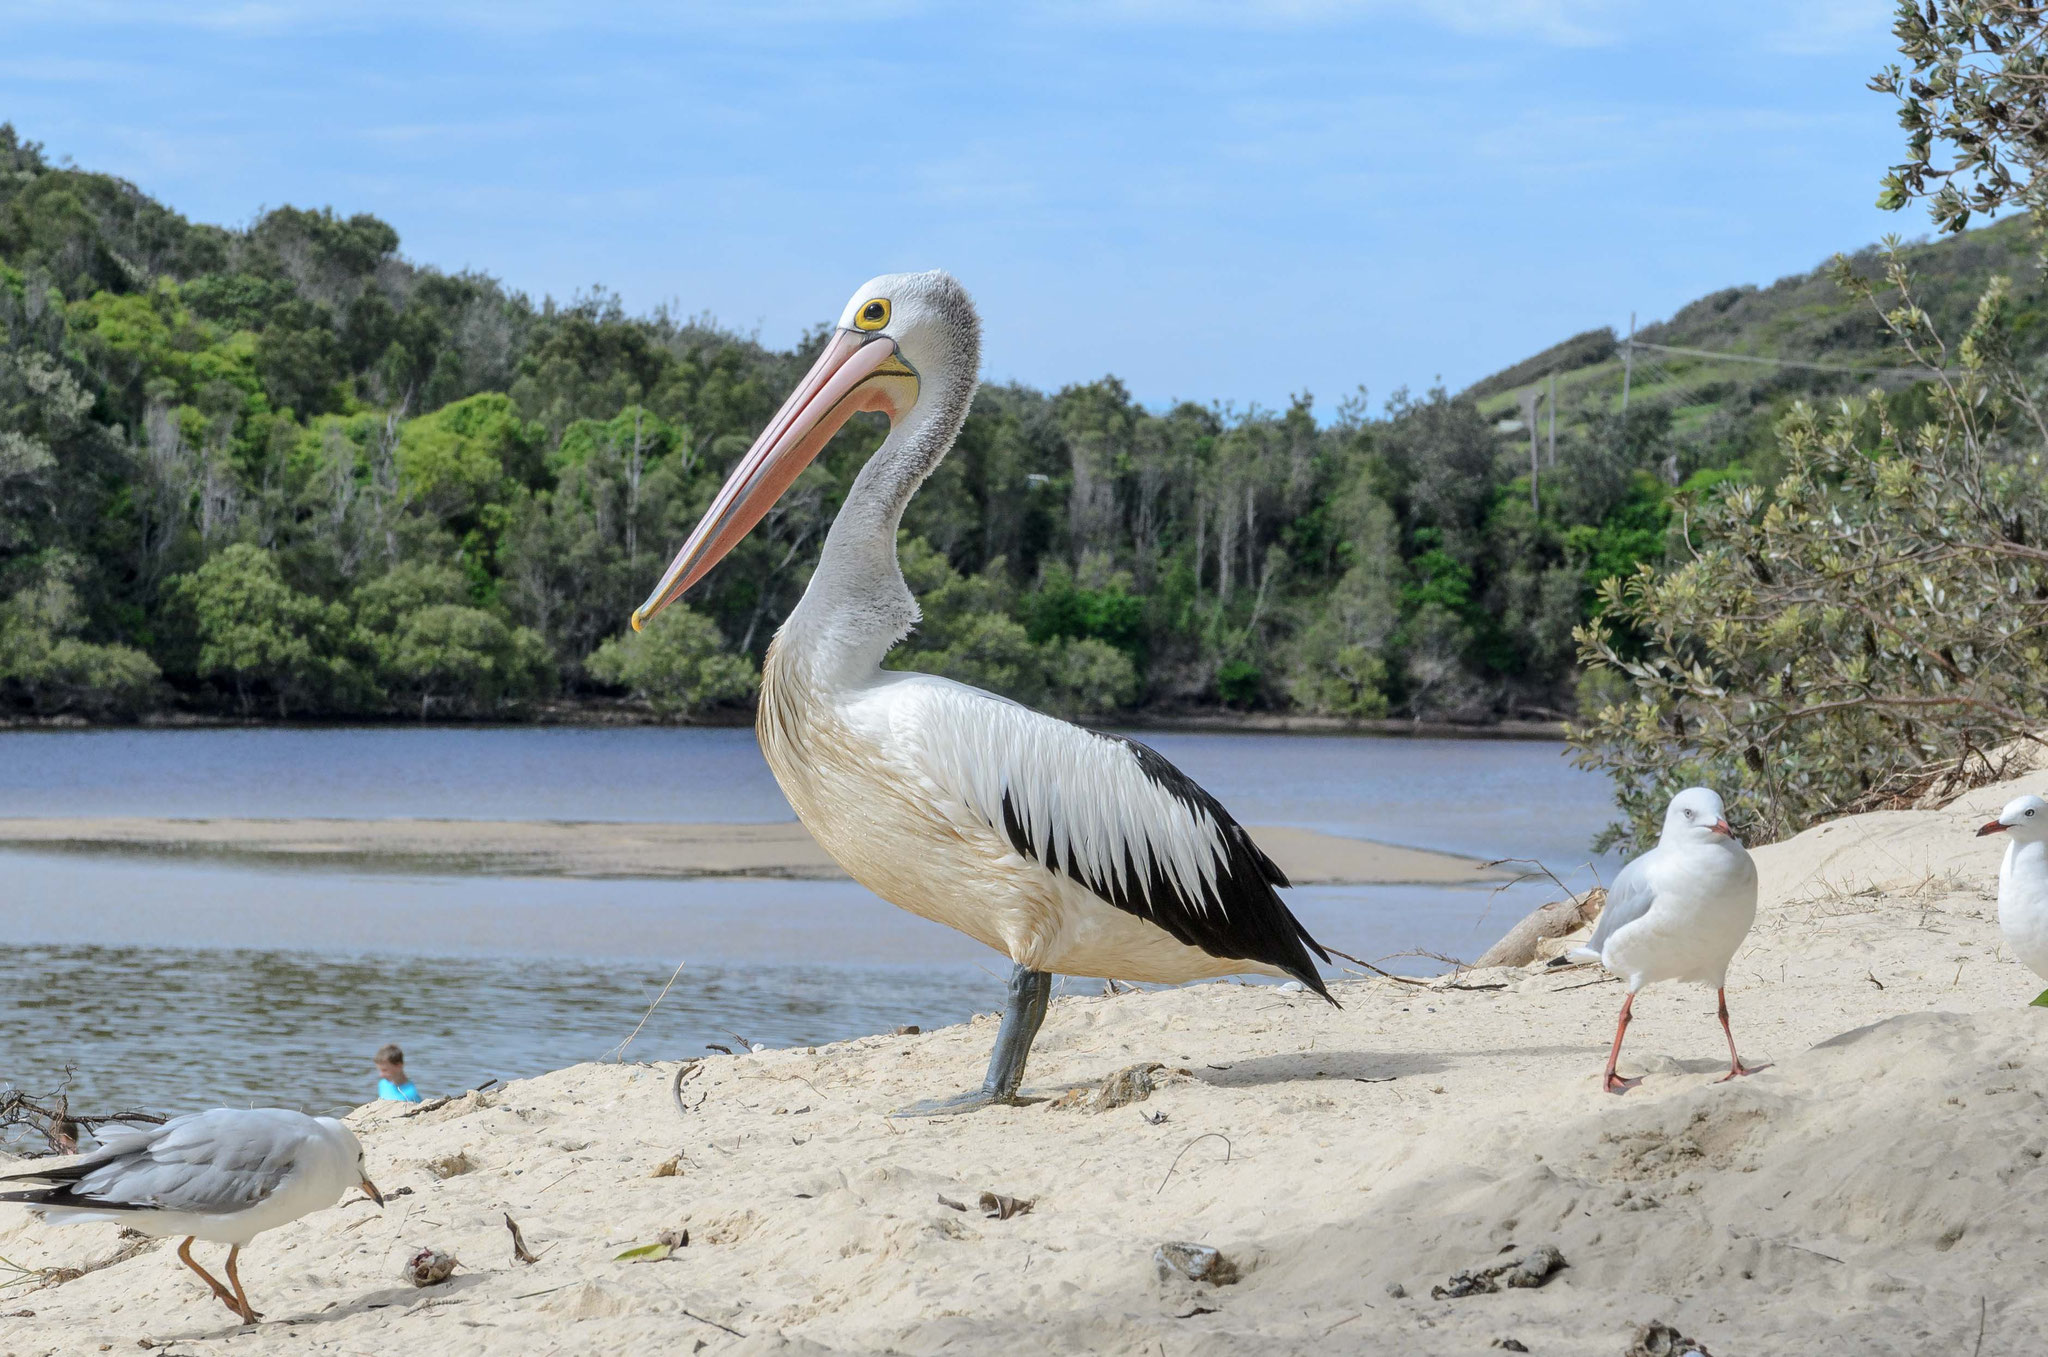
{"x":2024,"y":817}
{"x":898,"y":333}
{"x":1695,"y":814}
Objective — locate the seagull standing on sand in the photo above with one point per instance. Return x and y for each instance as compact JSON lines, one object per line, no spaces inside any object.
{"x":2023,"y":883}
{"x":224,"y":1176}
{"x":1678,"y":912}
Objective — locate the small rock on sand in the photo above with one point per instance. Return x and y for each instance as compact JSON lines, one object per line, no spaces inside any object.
{"x":1196,"y":1262}
{"x":1132,"y":1084}
{"x":1530,"y":1269}
{"x":1661,"y":1340}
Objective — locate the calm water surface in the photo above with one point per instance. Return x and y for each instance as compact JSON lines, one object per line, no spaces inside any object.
{"x":180,"y":983}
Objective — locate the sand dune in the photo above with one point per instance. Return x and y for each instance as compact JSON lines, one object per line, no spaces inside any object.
{"x":622,"y":849}
{"x":1878,"y":1190}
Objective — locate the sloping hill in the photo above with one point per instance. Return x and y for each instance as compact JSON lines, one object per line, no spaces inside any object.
{"x":1722,"y":405}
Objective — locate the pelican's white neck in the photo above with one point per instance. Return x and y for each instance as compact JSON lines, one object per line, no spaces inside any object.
{"x":857,"y":606}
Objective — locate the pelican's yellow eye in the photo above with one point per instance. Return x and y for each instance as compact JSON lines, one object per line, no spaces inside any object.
{"x":872,"y":315}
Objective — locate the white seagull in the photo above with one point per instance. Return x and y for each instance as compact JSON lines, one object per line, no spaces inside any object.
{"x":224,"y":1176}
{"x":2023,"y":883}
{"x":1065,"y":849}
{"x":1678,"y":912}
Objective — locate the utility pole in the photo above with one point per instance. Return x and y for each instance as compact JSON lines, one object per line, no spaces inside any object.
{"x":1553,"y":422}
{"x":1529,"y":399}
{"x":1628,"y":361}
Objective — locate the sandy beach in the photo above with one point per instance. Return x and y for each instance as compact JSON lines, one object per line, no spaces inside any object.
{"x":620,"y":849}
{"x":1877,"y":1186}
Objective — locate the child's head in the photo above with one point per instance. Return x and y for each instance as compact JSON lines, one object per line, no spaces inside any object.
{"x":391,"y":1063}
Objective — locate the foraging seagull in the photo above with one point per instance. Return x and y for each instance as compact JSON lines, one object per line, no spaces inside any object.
{"x":1678,"y":912}
{"x":1065,"y":849}
{"x":2023,"y":883}
{"x":223,"y":1176}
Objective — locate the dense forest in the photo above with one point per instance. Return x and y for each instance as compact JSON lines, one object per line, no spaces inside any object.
{"x":285,"y":471}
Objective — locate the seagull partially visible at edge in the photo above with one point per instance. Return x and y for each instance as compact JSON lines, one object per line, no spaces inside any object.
{"x":1678,"y":912}
{"x":2023,"y":883}
{"x":224,"y":1176}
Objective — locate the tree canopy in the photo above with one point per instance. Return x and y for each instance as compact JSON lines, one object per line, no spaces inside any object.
{"x":285,"y":470}
{"x":1868,"y":626}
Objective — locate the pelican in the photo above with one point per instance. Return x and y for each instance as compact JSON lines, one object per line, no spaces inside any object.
{"x":1065,"y":849}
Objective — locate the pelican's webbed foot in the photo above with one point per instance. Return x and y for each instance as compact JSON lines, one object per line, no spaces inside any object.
{"x":1030,"y":993}
{"x":971,"y":1101}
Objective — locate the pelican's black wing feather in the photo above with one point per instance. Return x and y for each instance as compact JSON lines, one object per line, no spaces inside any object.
{"x":1119,"y":819}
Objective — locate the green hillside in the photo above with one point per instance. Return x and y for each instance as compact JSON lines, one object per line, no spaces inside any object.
{"x":283,"y":470}
{"x":1720,"y":410}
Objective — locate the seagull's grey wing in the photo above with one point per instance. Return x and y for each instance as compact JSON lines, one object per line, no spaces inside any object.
{"x":209,"y":1162}
{"x":1628,"y":899}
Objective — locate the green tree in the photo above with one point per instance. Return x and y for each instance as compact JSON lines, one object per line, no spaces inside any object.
{"x":1089,"y":677}
{"x":453,"y":460}
{"x":1338,"y":665}
{"x":47,"y":664}
{"x":679,"y":665}
{"x":430,"y":646}
{"x":1978,"y":86}
{"x":1868,"y":629}
{"x":988,"y":650}
{"x":256,"y":630}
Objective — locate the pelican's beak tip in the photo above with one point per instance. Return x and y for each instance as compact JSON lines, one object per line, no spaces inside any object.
{"x":1995,"y":827}
{"x":639,"y":618}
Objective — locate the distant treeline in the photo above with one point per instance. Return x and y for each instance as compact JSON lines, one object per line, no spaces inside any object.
{"x":283,"y":470}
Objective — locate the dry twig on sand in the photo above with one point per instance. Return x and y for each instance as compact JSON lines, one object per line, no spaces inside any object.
{"x":1227,"y":1148}
{"x":1403,"y":979}
{"x":689,"y":1070}
{"x":618,"y":1052}
{"x":436,"y":1104}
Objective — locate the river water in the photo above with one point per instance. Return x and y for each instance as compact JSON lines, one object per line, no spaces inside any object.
{"x":180,"y":983}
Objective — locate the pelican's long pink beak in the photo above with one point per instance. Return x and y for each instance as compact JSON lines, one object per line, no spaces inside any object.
{"x":855,"y":372}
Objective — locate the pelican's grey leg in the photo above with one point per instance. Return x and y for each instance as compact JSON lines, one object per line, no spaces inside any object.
{"x":1030,"y":993}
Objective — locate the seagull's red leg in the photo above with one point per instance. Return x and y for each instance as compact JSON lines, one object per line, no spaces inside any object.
{"x":248,"y":1311}
{"x":227,"y":1297}
{"x":1735,"y":1066}
{"x":1612,"y":1082}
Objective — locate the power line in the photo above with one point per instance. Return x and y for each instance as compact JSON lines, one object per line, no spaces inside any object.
{"x":1776,"y":362}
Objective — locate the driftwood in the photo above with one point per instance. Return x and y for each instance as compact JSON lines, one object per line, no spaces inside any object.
{"x":50,"y":1117}
{"x":1553,"y":920}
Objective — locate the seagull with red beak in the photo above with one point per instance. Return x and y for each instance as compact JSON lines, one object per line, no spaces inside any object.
{"x":1065,"y":849}
{"x":2023,"y":883}
{"x":1678,"y":912}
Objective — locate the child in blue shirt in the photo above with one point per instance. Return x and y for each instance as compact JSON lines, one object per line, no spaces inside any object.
{"x":393,"y":1086}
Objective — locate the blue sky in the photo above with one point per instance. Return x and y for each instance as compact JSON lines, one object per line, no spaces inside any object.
{"x":1213,"y":201}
